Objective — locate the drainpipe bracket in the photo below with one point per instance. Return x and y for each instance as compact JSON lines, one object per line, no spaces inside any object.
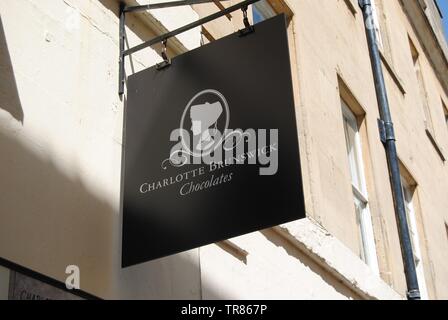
{"x":382,"y":130}
{"x":386,"y":130}
{"x":414,"y":295}
{"x":390,"y":131}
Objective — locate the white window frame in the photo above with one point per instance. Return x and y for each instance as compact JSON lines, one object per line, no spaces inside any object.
{"x":360,"y":194}
{"x":415,"y":239}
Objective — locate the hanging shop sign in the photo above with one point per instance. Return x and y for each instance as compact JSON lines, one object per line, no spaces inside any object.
{"x":211,"y":147}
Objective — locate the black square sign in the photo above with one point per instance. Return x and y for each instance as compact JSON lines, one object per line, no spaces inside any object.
{"x":211,"y":147}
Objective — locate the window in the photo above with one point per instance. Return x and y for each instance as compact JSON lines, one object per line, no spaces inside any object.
{"x":422,"y":87}
{"x":359,"y":187}
{"x":408,"y":194}
{"x":427,"y":117}
{"x":262,"y":10}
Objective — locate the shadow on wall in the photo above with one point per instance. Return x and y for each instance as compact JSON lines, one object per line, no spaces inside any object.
{"x":9,"y":97}
{"x":49,"y":221}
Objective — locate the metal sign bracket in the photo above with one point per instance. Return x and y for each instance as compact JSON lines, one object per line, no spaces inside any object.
{"x":124,"y":9}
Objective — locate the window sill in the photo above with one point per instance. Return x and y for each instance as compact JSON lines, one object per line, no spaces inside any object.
{"x":332,"y":255}
{"x":439,"y":150}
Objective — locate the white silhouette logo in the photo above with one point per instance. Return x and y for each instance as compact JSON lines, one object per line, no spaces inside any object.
{"x":204,"y":122}
{"x":202,"y":117}
{"x":204,"y":137}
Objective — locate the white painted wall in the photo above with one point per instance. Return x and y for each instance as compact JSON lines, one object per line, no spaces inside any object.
{"x":60,"y":139}
{"x":299,"y":260}
{"x":61,"y":126}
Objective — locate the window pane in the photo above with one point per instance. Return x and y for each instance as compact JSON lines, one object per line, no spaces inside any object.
{"x":359,"y":207}
{"x":262,"y":10}
{"x":258,"y":17}
{"x":364,"y":220}
{"x":353,"y":149}
{"x":415,"y":239}
{"x":363,"y":217}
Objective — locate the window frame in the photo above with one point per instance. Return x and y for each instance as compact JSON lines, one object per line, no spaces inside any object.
{"x":360,"y":194}
{"x":408,"y":191}
{"x":423,"y":92}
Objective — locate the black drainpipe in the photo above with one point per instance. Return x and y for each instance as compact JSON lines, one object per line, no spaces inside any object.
{"x":388,"y":138}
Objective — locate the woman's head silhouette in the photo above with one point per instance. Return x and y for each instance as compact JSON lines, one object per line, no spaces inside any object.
{"x":204,"y":116}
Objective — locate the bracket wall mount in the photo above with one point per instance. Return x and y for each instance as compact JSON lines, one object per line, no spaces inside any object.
{"x":124,"y":9}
